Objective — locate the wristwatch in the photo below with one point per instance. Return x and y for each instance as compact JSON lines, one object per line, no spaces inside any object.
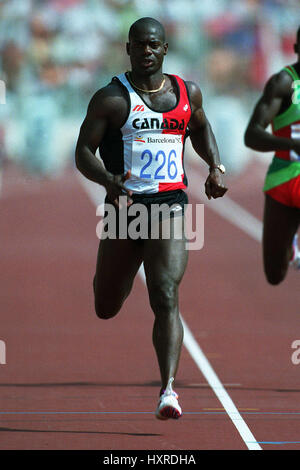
{"x":220,"y":167}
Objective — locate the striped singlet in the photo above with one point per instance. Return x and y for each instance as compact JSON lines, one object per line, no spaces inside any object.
{"x":150,"y":144}
{"x":283,"y":174}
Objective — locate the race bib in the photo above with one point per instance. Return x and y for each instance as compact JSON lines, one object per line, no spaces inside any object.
{"x":157,"y":157}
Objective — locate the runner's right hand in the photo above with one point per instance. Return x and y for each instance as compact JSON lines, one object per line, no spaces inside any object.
{"x":115,"y":188}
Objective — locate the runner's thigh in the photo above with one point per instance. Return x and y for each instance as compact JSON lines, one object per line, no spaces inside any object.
{"x":117,"y":264}
{"x":280,"y":225}
{"x":165,"y":261}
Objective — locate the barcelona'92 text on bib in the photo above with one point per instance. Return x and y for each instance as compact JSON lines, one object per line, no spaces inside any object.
{"x":153,"y":142}
{"x":157,"y":157}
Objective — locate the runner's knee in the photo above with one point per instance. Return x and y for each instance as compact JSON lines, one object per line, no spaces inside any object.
{"x":164,"y":298}
{"x":276,"y":267}
{"x":274,"y":280}
{"x":105,"y":310}
{"x":275,"y":277}
{"x":107,"y":306}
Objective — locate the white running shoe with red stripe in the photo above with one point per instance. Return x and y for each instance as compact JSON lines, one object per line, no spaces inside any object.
{"x":168,"y":406}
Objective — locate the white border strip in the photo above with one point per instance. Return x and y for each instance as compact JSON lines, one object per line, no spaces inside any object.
{"x":95,"y":193}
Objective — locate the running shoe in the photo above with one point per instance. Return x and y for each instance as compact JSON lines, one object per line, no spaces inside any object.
{"x":295,"y":261}
{"x":168,"y":406}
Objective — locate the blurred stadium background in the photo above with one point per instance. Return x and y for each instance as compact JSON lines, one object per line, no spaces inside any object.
{"x":56,"y":53}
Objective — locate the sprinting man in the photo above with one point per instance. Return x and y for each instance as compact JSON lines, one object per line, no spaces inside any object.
{"x":142,"y":106}
{"x":280,"y":107}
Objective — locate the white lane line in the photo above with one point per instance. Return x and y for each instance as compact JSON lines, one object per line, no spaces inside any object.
{"x":226,"y":208}
{"x":218,"y":388}
{"x":95,"y":193}
{"x":203,"y":364}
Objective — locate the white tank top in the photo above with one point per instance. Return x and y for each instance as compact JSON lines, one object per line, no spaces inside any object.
{"x":153,"y":143}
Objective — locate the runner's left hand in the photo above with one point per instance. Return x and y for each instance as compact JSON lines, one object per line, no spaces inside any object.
{"x":214,"y":185}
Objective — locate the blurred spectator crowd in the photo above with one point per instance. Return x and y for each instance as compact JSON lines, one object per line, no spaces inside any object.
{"x":56,"y":53}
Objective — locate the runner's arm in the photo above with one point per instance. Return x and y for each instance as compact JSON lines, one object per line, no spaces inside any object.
{"x":256,"y":136}
{"x":91,"y":133}
{"x":201,"y":134}
{"x":204,"y":143}
{"x":105,"y":108}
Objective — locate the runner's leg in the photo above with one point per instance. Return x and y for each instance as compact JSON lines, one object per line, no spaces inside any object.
{"x":280,"y":226}
{"x":165,"y":261}
{"x":117,"y":264}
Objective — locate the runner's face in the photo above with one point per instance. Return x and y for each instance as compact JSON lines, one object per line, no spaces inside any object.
{"x":146,"y":50}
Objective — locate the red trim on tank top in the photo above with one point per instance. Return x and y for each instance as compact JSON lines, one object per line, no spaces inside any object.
{"x":181,"y":112}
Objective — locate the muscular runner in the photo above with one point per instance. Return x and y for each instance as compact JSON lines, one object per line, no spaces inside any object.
{"x":147,"y":105}
{"x":279,"y":106}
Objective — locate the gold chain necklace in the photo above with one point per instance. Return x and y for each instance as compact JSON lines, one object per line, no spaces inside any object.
{"x":146,"y":91}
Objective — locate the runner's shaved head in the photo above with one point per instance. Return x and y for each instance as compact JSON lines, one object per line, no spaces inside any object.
{"x":147,"y":23}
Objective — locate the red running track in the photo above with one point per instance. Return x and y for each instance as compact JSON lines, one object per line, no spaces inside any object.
{"x":72,"y":381}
